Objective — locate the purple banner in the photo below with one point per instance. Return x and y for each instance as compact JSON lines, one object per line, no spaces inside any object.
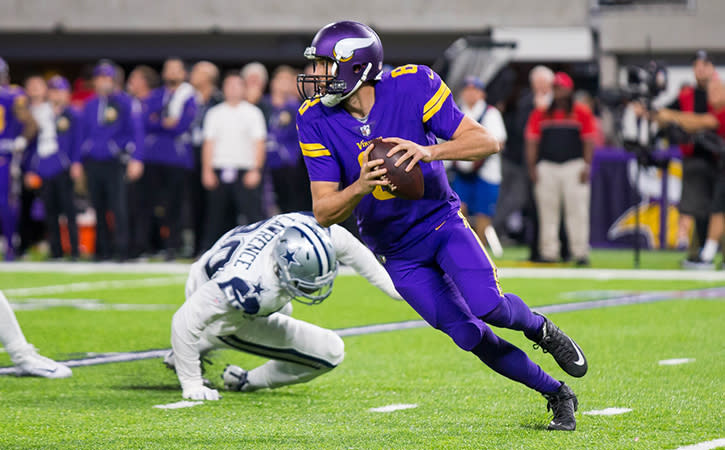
{"x":616,"y":196}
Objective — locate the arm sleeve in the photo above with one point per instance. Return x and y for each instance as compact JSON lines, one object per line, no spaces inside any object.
{"x":197,"y":313}
{"x":438,"y":110}
{"x":137,"y":131}
{"x":187,"y":117}
{"x":354,"y":254}
{"x":76,"y":138}
{"x":493,"y":122}
{"x":320,"y":161}
{"x":586,"y":117}
{"x":209,"y":127}
{"x":533,"y":126}
{"x":259,"y":127}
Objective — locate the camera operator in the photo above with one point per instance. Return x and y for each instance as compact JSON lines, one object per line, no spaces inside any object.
{"x":702,"y":126}
{"x":698,"y":168}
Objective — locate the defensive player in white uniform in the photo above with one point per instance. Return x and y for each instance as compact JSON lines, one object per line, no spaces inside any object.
{"x":238,"y":296}
{"x":26,"y":359}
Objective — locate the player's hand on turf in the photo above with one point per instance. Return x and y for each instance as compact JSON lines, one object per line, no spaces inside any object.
{"x":209,"y":179}
{"x":252,"y":178}
{"x":201,"y":393}
{"x":413,"y":152}
{"x":370,"y":175}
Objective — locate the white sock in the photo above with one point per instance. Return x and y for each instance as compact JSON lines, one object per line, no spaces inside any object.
{"x":709,"y":250}
{"x":10,"y":334}
{"x":274,"y":374}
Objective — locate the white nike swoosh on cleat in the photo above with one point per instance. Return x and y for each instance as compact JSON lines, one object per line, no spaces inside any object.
{"x":580,"y":361}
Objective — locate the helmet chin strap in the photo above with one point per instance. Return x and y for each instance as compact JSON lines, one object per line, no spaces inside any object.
{"x":335,"y":99}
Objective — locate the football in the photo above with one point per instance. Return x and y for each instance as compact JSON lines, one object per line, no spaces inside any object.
{"x":405,"y":185}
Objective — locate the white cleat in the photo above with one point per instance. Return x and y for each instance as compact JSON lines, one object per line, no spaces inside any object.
{"x":35,"y":365}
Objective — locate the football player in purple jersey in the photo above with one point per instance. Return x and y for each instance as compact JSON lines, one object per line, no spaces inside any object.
{"x":433,"y":256}
{"x":17,"y":128}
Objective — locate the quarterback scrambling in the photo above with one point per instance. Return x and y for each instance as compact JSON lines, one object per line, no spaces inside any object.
{"x":432,"y":255}
{"x":238,"y":297}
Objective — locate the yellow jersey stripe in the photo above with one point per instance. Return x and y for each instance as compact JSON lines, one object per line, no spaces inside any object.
{"x":435,"y":108}
{"x":316,"y":153}
{"x":307,"y":104}
{"x":312,"y":146}
{"x":433,"y":100}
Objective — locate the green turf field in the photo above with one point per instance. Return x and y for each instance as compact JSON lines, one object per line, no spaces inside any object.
{"x":460,"y":403}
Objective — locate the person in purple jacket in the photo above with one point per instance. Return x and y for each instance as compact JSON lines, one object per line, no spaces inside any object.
{"x":51,"y":160}
{"x":433,"y":256}
{"x":284,"y":160}
{"x":111,"y":130}
{"x":170,"y":112}
{"x":17,"y":127}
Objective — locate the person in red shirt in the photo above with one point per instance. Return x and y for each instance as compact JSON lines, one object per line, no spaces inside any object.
{"x":559,"y":147}
{"x":694,"y":122}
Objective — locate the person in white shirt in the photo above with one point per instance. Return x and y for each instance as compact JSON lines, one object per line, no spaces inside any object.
{"x":232,"y":160}
{"x":477,"y":182}
{"x":238,"y":297}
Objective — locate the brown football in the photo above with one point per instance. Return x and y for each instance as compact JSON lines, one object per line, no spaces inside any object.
{"x":405,"y":185}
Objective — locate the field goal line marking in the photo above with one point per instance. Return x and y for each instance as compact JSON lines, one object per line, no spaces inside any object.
{"x":411,"y":324}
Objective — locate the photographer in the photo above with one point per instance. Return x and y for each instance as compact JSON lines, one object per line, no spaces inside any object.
{"x":698,"y":165}
{"x":702,"y":126}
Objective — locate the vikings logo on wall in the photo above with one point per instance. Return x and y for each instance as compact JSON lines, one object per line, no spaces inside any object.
{"x":654,"y":220}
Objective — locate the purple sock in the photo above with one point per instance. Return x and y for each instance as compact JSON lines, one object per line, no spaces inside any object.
{"x":514,"y":314}
{"x":511,"y":362}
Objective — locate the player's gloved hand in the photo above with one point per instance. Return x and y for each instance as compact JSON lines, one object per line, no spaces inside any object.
{"x":200,"y":393}
{"x":413,"y":152}
{"x":370,"y":176}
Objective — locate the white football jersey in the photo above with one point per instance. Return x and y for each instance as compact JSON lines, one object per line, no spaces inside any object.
{"x":242,"y":264}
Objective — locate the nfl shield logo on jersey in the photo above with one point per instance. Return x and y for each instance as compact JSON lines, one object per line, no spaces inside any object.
{"x":365,"y":130}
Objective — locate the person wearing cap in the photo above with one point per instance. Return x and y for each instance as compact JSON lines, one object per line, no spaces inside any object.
{"x":699,"y":172}
{"x":51,"y":157}
{"x":477,"y":183}
{"x":16,"y":129}
{"x":559,"y":148}
{"x":111,"y":129}
{"x":169,"y":156}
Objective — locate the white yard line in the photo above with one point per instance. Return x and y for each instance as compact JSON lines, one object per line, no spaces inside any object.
{"x":93,"y":285}
{"x":506,"y":272}
{"x":607,"y":411}
{"x":178,"y":405}
{"x":708,"y":445}
{"x":410,"y":324}
{"x":393,"y":407}
{"x":675,"y":361}
{"x":86,"y":304}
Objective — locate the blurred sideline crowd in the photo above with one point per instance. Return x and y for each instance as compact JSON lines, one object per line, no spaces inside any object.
{"x":163,"y":164}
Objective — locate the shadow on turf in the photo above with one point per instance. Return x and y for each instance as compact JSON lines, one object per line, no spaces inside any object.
{"x":158,"y":387}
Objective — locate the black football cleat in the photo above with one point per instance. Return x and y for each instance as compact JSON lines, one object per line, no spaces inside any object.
{"x":565,"y":351}
{"x":562,"y":404}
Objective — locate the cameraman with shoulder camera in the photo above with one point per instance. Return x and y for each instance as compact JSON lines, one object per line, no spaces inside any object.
{"x":698,"y":165}
{"x":702,"y":113}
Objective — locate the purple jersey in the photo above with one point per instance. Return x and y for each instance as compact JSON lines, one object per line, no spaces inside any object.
{"x":10,"y":127}
{"x":411,"y":102}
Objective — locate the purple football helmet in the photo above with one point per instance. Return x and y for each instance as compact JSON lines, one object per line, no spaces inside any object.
{"x":350,"y":54}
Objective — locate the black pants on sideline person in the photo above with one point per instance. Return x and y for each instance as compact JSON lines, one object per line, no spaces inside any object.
{"x":57,"y":196}
{"x":291,"y":189}
{"x":107,"y":190}
{"x":165,"y":186}
{"x":227,"y":202}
